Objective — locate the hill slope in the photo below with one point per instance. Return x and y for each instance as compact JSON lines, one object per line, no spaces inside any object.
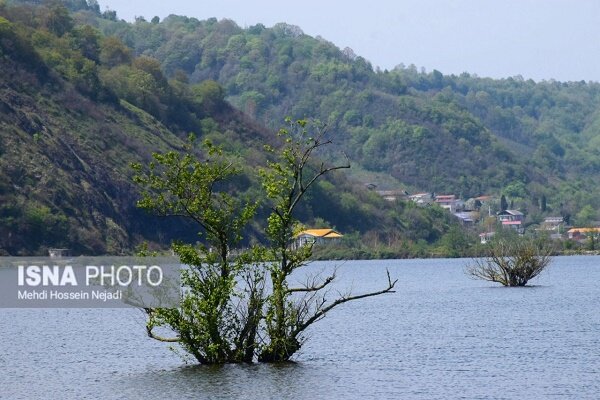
{"x":77,"y":107}
{"x":424,"y":131}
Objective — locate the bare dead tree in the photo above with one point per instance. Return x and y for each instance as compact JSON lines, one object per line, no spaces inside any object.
{"x":512,"y":262}
{"x":307,"y":315}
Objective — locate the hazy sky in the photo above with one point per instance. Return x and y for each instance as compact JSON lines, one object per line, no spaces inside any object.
{"x":538,"y":39}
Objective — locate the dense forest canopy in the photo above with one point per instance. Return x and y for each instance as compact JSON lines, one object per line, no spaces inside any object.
{"x":461,"y":134}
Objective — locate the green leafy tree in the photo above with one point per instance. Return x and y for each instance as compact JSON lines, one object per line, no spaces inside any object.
{"x":455,"y":242}
{"x":503,"y":203}
{"x":58,"y":20}
{"x":87,"y":40}
{"x":516,"y":189}
{"x":226,"y":315}
{"x":543,"y":203}
{"x":209,"y":95}
{"x":210,"y":323}
{"x":110,"y":15}
{"x":14,"y":44}
{"x":585,"y":216}
{"x":592,"y":240}
{"x":113,"y":52}
{"x":152,"y":67}
{"x":94,"y":6}
{"x":286,"y":180}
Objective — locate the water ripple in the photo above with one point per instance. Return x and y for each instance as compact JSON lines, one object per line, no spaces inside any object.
{"x":441,"y":336}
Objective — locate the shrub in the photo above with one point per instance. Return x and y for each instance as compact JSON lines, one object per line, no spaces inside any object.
{"x":512,"y":261}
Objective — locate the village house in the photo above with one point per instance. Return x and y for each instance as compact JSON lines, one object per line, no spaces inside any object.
{"x":467,"y":218}
{"x":422,"y":199}
{"x":484,"y":199}
{"x":512,"y":219}
{"x":58,"y":253}
{"x":315,"y":237}
{"x":449,"y":202}
{"x":582,"y":233}
{"x":476,"y":203}
{"x":554,"y":225}
{"x":392,"y":195}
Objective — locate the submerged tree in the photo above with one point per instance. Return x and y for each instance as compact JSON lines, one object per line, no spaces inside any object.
{"x":226,"y":313}
{"x":512,"y":261}
{"x":217,"y":321}
{"x":286,"y":180}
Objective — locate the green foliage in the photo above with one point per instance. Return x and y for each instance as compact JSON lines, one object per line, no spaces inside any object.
{"x":64,"y":151}
{"x":225,"y":313}
{"x":515,"y":189}
{"x":503,"y":203}
{"x":458,"y":134}
{"x":209,"y":96}
{"x":208,"y":322}
{"x":455,"y":243}
{"x":422,"y":131}
{"x":113,"y":52}
{"x":86,"y":39}
{"x":59,"y":20}
{"x":13,"y":43}
{"x":181,"y":185}
{"x":284,"y":184}
{"x":286,"y":181}
{"x":586,"y":217}
{"x":38,"y":223}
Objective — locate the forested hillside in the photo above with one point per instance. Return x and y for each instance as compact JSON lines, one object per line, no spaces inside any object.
{"x":78,"y":106}
{"x":405,"y":128}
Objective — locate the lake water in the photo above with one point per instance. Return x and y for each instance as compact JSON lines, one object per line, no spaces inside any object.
{"x":440,"y":336}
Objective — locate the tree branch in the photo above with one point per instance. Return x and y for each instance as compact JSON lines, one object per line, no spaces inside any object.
{"x":304,"y":188}
{"x":160,"y":338}
{"x":321,"y":313}
{"x":313,"y":288}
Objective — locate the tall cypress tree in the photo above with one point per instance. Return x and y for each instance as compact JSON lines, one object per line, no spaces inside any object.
{"x":503,"y":203}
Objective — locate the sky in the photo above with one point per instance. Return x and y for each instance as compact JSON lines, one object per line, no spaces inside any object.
{"x":536,"y":39}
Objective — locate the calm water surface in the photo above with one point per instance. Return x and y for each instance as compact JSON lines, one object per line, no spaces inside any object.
{"x":440,"y":336}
